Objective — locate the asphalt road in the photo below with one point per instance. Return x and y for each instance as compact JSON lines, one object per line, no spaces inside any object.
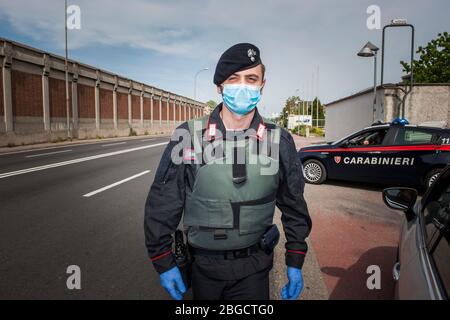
{"x":47,"y":223}
{"x":352,"y":230}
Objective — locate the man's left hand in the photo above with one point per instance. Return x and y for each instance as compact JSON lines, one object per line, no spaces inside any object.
{"x":292,"y":290}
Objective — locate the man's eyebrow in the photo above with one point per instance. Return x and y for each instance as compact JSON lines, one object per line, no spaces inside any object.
{"x":246,"y":76}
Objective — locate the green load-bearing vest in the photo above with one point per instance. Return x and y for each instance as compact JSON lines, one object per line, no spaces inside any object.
{"x":221,"y":214}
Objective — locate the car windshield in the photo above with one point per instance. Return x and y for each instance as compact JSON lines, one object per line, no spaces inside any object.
{"x":363,"y":136}
{"x":342,"y":140}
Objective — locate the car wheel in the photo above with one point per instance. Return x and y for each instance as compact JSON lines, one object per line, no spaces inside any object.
{"x":314,"y":172}
{"x":432,"y":177}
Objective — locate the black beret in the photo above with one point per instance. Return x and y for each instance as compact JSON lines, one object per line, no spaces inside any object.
{"x":239,"y":57}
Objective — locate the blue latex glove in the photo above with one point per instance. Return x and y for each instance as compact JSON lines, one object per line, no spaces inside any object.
{"x":173,"y":283}
{"x":292,"y":290}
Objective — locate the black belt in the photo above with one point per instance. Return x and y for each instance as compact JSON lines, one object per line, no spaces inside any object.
{"x":228,"y":254}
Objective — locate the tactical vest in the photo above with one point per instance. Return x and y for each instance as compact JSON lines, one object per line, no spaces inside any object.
{"x":225,"y":212}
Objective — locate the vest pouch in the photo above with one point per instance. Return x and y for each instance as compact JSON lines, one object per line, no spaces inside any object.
{"x":256,"y":218}
{"x":208,"y":213}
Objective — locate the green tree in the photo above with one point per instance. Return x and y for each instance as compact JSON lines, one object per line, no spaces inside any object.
{"x":433,"y":65}
{"x":321,"y":109}
{"x":294,"y":106}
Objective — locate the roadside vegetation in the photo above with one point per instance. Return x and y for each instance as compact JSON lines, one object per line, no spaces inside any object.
{"x":313,"y":131}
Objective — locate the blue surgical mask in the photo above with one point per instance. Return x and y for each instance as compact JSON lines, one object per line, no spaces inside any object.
{"x":241,"y":98}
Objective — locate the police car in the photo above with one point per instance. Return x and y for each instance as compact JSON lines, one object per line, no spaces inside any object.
{"x":396,"y":153}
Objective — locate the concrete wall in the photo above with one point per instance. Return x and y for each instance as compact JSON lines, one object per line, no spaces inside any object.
{"x":33,"y":100}
{"x":426,"y":103}
{"x":350,"y":115}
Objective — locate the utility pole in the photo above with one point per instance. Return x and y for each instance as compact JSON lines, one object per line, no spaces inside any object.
{"x":304,"y":99}
{"x":318,"y":105}
{"x":312,"y":95}
{"x":69,"y":133}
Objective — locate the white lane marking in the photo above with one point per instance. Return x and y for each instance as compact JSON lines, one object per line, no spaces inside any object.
{"x":147,"y":140}
{"x":58,"y":147}
{"x":113,"y":144}
{"x":38,"y":149}
{"x":65,"y":163}
{"x":47,"y":154}
{"x":90,"y":194}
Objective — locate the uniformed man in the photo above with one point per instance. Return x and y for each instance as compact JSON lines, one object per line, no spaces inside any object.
{"x":228,"y":206}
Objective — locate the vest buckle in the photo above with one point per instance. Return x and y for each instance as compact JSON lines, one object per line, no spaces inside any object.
{"x":239,"y":180}
{"x":220,"y":234}
{"x":239,"y":254}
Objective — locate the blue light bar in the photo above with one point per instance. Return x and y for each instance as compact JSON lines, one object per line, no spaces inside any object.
{"x":399,"y":121}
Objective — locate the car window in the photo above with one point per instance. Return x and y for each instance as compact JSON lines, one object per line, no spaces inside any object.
{"x":437,"y":234}
{"x":441,"y":257}
{"x":369,"y":138}
{"x":413,"y":136}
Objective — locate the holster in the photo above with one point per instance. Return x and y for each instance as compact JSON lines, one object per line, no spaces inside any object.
{"x":183,"y":258}
{"x":269,"y":239}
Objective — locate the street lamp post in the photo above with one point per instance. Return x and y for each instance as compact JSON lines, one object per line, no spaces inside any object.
{"x":399,"y":23}
{"x":195,"y":81}
{"x":370,"y":50}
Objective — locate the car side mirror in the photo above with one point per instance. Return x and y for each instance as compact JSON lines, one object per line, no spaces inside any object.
{"x":345,"y":144}
{"x":402,"y":199}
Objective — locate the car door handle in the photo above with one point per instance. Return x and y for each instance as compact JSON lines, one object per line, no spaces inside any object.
{"x":324,"y":153}
{"x":375,"y":152}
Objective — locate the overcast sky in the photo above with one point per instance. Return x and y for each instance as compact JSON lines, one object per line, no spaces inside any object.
{"x":165,"y":42}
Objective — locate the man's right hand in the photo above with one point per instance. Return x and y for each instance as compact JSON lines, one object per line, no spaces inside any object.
{"x":173,"y":283}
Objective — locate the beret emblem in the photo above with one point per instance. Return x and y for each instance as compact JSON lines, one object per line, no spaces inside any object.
{"x":251,"y":54}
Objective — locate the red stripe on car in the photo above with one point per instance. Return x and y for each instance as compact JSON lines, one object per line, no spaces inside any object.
{"x":386,"y":148}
